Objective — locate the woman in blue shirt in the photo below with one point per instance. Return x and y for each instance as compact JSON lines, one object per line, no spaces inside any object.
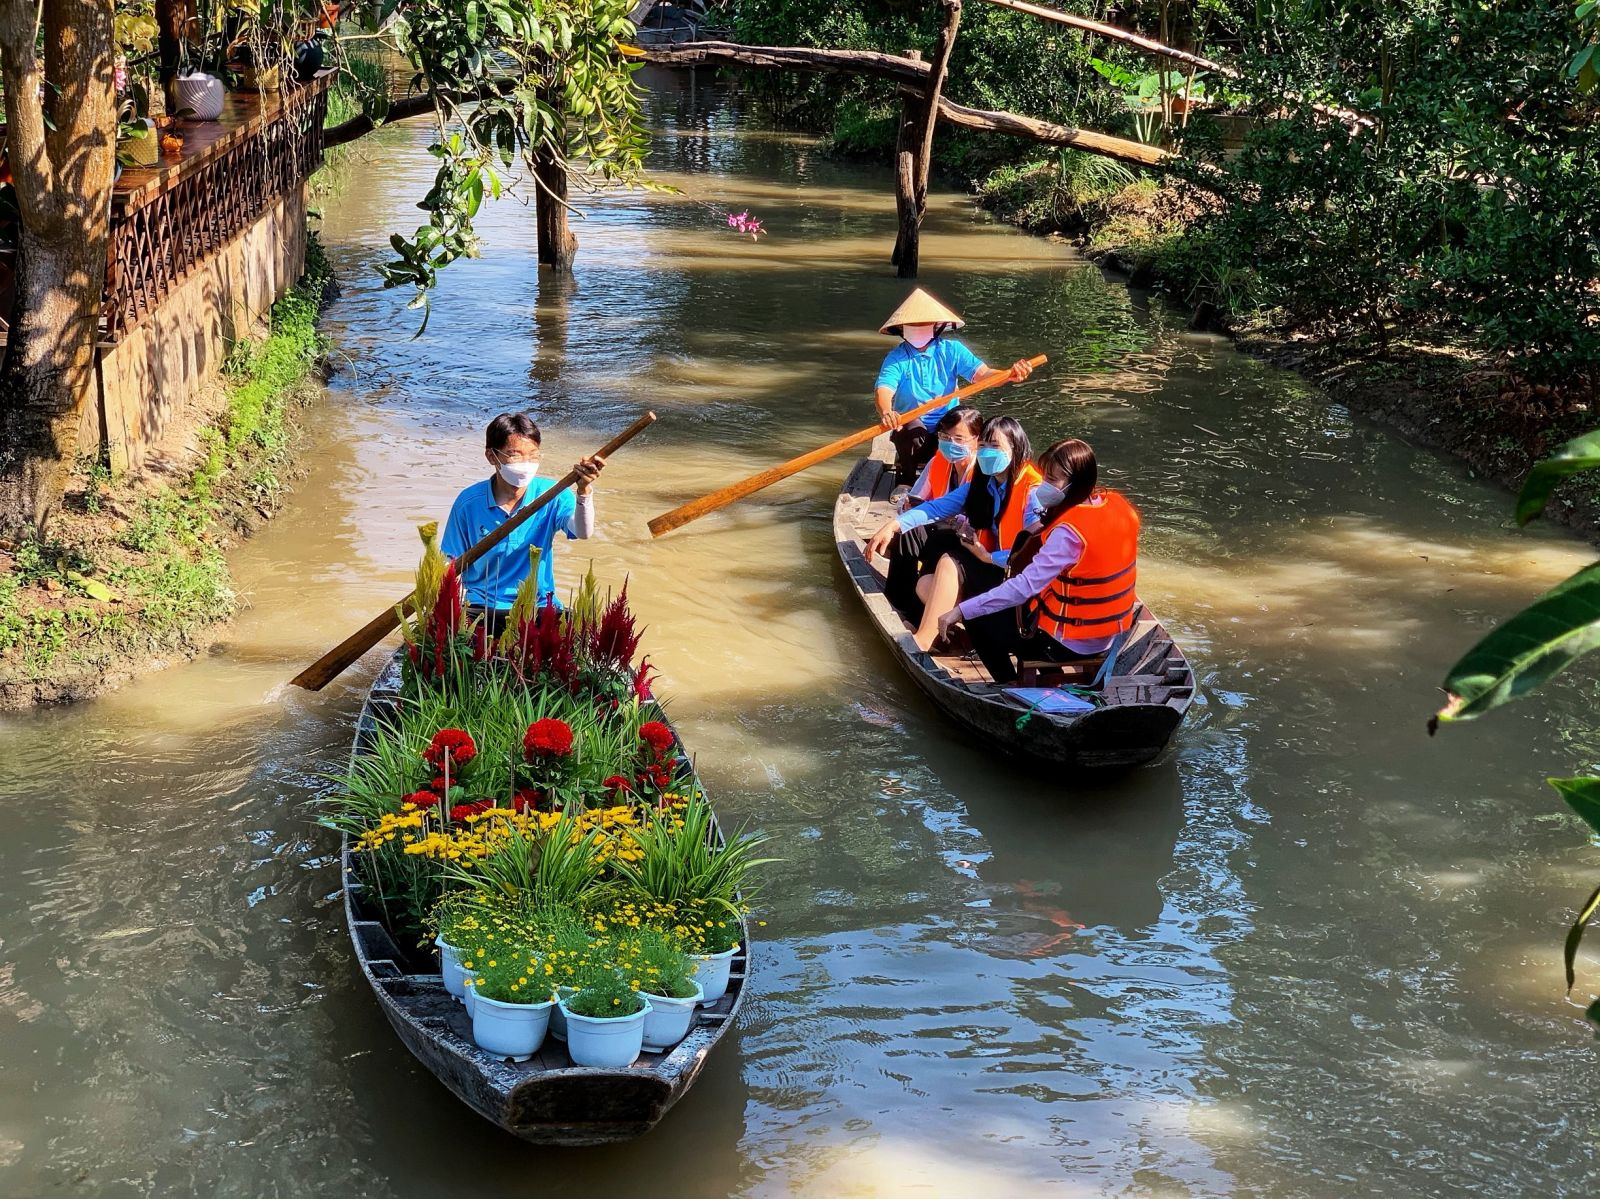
{"x":925,"y":365}
{"x":511,"y":445}
{"x":974,"y":528}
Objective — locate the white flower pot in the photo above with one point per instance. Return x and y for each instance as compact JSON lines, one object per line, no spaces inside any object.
{"x":558,"y":1018}
{"x":469,"y":992}
{"x":612,"y":1041}
{"x":450,"y":969}
{"x":513,"y":1030}
{"x":202,"y":93}
{"x":669,"y":1019}
{"x":711,"y":971}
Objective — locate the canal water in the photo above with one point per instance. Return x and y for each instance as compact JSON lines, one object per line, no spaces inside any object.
{"x":1310,"y":953}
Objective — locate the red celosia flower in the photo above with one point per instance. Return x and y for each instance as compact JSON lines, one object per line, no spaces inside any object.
{"x":615,"y":637}
{"x":617,"y":785}
{"x":657,"y":736}
{"x":548,"y":738}
{"x":641,"y":680}
{"x":422,"y":799}
{"x":527,"y":800}
{"x":455,"y":744}
{"x":462,"y":810}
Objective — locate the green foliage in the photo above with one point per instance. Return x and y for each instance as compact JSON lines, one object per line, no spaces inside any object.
{"x":663,"y":965}
{"x":606,"y":994}
{"x":547,"y":75}
{"x":683,"y":864}
{"x":1578,"y":455}
{"x":1468,"y":202}
{"x":1533,"y":645}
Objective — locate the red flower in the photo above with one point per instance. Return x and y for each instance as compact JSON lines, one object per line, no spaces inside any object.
{"x":548,"y":738}
{"x":641,"y":680}
{"x":657,"y":736}
{"x":423,"y":799}
{"x":456,"y":745}
{"x":527,"y":800}
{"x":462,"y":810}
{"x":617,"y":785}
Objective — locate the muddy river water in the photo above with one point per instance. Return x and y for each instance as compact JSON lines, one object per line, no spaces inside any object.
{"x":1310,"y":953}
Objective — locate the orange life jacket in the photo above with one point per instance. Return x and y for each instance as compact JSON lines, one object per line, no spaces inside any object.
{"x":1094,"y":597}
{"x":1015,"y":511}
{"x":943,"y":478}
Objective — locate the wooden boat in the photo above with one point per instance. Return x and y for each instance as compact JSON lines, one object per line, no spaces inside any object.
{"x":546,"y":1100}
{"x":1140,"y":703}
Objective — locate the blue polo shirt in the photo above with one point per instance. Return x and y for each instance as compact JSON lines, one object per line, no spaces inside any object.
{"x":918,"y":376}
{"x":492,"y":580}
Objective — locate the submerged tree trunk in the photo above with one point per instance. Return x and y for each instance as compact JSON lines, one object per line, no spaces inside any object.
{"x":557,"y":245}
{"x":61,"y":136}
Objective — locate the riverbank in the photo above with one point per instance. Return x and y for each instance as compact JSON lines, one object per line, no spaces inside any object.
{"x":132,"y":574}
{"x":1439,"y":391}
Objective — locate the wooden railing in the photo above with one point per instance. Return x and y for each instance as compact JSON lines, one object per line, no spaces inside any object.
{"x":169,"y":218}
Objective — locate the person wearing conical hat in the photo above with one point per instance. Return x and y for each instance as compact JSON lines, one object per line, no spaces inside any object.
{"x":927,"y":363}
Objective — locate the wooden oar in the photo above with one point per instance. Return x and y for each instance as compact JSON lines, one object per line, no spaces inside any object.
{"x":695,"y":509}
{"x":333,"y":663}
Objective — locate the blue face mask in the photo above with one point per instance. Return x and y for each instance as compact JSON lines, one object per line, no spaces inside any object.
{"x":992,"y":460}
{"x":953,"y":451}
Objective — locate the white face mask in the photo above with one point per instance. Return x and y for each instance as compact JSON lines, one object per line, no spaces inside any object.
{"x":1048,"y":495}
{"x":917,"y":336}
{"x":518,"y":474}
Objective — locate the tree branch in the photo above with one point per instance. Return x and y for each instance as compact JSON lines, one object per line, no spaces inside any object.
{"x":1149,"y":45}
{"x":803,"y":58}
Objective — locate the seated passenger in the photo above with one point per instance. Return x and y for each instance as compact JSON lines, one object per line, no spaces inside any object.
{"x":925,"y":364}
{"x":975,"y":527}
{"x":959,"y":432}
{"x":1070,"y":586}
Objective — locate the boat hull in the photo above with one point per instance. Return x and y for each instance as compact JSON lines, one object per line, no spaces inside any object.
{"x":547,"y":1100}
{"x":1146,"y":696}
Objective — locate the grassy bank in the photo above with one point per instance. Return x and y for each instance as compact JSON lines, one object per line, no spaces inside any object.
{"x":1439,"y":386}
{"x":132,"y":572}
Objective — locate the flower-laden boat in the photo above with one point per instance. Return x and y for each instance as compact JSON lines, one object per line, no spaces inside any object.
{"x":533,"y":782}
{"x":1106,"y":716}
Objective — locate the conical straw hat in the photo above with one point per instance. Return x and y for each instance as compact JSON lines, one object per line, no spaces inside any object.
{"x":920,"y":308}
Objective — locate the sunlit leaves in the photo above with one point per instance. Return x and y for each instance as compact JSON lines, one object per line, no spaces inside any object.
{"x":1535,"y":644}
{"x":1579,"y":454}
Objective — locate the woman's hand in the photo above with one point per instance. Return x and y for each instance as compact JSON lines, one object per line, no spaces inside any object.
{"x":949,"y":621}
{"x":1020,"y":370}
{"x":978,"y":551}
{"x":880,"y":541}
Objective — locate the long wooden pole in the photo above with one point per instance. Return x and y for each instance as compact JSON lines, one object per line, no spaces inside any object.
{"x":695,"y":509}
{"x":333,"y":663}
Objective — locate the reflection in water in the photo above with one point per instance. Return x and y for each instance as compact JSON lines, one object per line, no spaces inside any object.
{"x":1310,"y":954}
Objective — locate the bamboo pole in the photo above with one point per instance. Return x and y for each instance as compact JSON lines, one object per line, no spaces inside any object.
{"x":707,"y":504}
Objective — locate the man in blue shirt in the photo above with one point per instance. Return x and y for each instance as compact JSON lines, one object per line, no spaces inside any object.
{"x":511,"y":445}
{"x":926,"y":364}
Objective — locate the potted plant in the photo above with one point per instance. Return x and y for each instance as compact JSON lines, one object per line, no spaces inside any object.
{"x":681,"y":866}
{"x":199,"y":93}
{"x":713,"y":965}
{"x":605,"y":1020}
{"x":459,"y":929}
{"x":511,"y":1000}
{"x":668,"y":975}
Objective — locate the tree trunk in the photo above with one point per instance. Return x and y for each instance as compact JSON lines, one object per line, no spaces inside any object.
{"x":907,"y":139}
{"x":941,"y":66}
{"x":557,"y":244}
{"x":63,"y":150}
